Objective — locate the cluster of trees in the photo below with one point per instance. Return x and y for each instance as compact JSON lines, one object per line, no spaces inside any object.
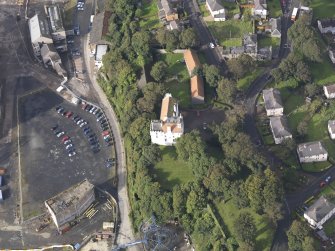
{"x":129,"y":51}
{"x":300,"y":237}
{"x":241,"y":66}
{"x":171,"y":40}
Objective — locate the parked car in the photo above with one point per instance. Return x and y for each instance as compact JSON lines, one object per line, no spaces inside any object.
{"x":57,"y":131}
{"x":322,"y":184}
{"x":93,"y":109}
{"x":100,"y":118}
{"x":87,"y":132}
{"x":102,"y":121}
{"x":99,"y":114}
{"x":67,"y":141}
{"x":96,"y":111}
{"x":72,"y":154}
{"x":104,"y":133}
{"x":54,"y":127}
{"x":65,"y":138}
{"x":80,"y":121}
{"x":83,"y":124}
{"x":69,"y":146}
{"x":88,"y":107}
{"x":328,"y":179}
{"x":83,"y":106}
{"x":60,"y":110}
{"x":69,"y":114}
{"x":60,"y":134}
{"x":75,"y":117}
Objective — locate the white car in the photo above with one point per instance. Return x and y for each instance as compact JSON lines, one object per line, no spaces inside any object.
{"x":93,"y":109}
{"x":67,"y":141}
{"x":72,"y":154}
{"x":68,"y":146}
{"x":328,"y":179}
{"x":80,"y":121}
{"x":96,"y":111}
{"x":211,"y":45}
{"x":60,"y":134}
{"x":83,"y":124}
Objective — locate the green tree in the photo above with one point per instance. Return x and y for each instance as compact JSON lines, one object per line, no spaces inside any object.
{"x":179,"y":201}
{"x":158,"y":71}
{"x":311,"y":89}
{"x":240,"y":66}
{"x":245,"y":229}
{"x":140,"y":43}
{"x":211,"y":74}
{"x":226,"y":90}
{"x":254,"y":188}
{"x":296,"y":235}
{"x":309,"y":244}
{"x":188,"y":38}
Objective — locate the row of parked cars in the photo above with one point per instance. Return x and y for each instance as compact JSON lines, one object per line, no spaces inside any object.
{"x":69,"y":147}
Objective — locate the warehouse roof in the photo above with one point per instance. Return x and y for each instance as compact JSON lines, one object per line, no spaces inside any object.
{"x":100,"y":27}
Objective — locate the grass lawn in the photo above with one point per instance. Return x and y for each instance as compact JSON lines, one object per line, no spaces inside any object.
{"x":265,"y":230}
{"x":323,"y":73}
{"x":69,"y":7}
{"x":323,"y":8}
{"x":274,"y":8}
{"x":329,"y":189}
{"x":329,"y":227}
{"x":244,"y":83}
{"x":316,"y":166}
{"x":178,"y":81}
{"x":203,"y":8}
{"x":230,"y":32}
{"x":170,"y":171}
{"x":149,"y":19}
{"x":268,"y":41}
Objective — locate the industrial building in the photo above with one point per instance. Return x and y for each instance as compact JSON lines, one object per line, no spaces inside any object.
{"x":71,"y":203}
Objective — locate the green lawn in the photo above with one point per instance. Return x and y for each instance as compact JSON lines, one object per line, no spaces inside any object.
{"x":268,"y":41}
{"x":265,"y":230}
{"x":323,"y":8}
{"x":170,"y":171}
{"x":203,"y":8}
{"x":149,"y":18}
{"x":323,"y":73}
{"x":274,"y":8}
{"x":329,"y":227}
{"x":230,"y":32}
{"x":178,"y":81}
{"x":329,"y":189}
{"x":68,"y":12}
{"x":316,"y":166}
{"x":244,"y":83}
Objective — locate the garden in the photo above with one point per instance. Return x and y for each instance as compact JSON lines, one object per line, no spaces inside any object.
{"x":149,"y":16}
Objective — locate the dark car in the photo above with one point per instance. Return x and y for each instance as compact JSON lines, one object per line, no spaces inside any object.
{"x":57,"y":131}
{"x":54,"y":127}
{"x":75,"y":117}
{"x":87,"y":131}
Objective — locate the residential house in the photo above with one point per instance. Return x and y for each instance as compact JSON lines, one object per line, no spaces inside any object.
{"x":170,"y":127}
{"x":327,"y":25}
{"x":329,"y":91}
{"x":196,"y":83}
{"x":197,"y":90}
{"x":99,"y":30}
{"x":274,"y":27}
{"x":249,"y":47}
{"x":39,"y":33}
{"x":279,"y":128}
{"x":192,"y":60}
{"x":332,"y":55}
{"x":331,"y":128}
{"x":273,"y":102}
{"x":216,"y":9}
{"x":166,"y":12}
{"x":321,"y":211}
{"x":51,"y":57}
{"x":312,"y":152}
{"x":260,"y":8}
{"x":174,"y":25}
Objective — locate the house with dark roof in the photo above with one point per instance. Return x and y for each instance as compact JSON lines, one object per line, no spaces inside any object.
{"x":216,"y":9}
{"x":99,"y":30}
{"x":274,"y":27}
{"x":279,"y":128}
{"x":327,"y":25}
{"x":329,"y":91}
{"x":249,"y":47}
{"x":331,"y":128}
{"x":312,"y":152}
{"x":273,"y":102}
{"x":260,"y":8}
{"x":318,"y":213}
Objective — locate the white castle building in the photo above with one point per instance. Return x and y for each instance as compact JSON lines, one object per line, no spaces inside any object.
{"x":170,"y":126}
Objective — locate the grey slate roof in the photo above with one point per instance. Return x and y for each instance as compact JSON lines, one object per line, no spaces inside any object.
{"x":260,"y":4}
{"x":100,"y":27}
{"x":275,"y":24}
{"x":49,"y":51}
{"x":320,"y":209}
{"x":272,"y":99}
{"x":330,"y":88}
{"x":327,"y":22}
{"x":311,"y":149}
{"x":280,"y":127}
{"x":214,"y":5}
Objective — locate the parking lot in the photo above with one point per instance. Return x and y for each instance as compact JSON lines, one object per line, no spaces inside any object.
{"x":47,"y":168}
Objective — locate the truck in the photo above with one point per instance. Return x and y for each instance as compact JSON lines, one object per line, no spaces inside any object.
{"x":294,"y":14}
